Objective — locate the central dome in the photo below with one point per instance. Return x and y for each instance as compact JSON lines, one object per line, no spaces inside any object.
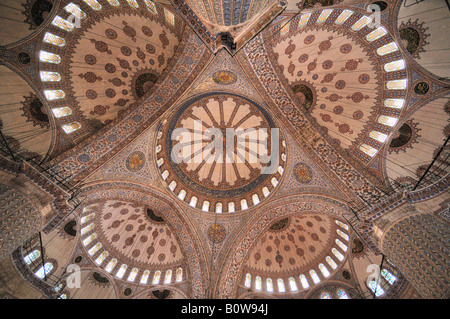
{"x":221,"y":152}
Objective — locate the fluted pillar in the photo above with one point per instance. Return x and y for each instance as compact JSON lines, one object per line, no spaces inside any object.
{"x":19,"y":220}
{"x":419,"y":247}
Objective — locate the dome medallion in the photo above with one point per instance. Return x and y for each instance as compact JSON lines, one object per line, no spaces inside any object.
{"x":221,"y":153}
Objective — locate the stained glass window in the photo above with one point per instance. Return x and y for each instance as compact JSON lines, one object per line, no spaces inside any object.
{"x":75,"y":10}
{"x":101,"y":258}
{"x":324,"y":270}
{"x":244,"y":204}
{"x":331,"y":262}
{"x":258,"y":283}
{"x":342,"y":234}
{"x":341,"y":245}
{"x":94,"y":249}
{"x":44,"y":270}
{"x":144,"y":278}
{"x":341,"y":224}
{"x":84,"y":219}
{"x":394,"y":66}
{"x":281,"y":287}
{"x":63,"y":24}
{"x":35,"y":254}
{"x":376,"y":288}
{"x":369,"y":150}
{"x":52,"y":95}
{"x":397,"y":84}
{"x":49,"y":57}
{"x":337,"y":254}
{"x":342,"y":294}
{"x":343,"y":16}
{"x":179,"y":274}
{"x":193,"y":201}
{"x":269,"y":285}
{"x":62,"y":111}
{"x":89,"y":239}
{"x":325,"y":295}
{"x":303,"y":20}
{"x":292,"y":284}
{"x":376,"y":34}
{"x":168,"y":277}
{"x":380,"y":137}
{"x":285,"y":29}
{"x":304,"y":281}
{"x":48,"y":76}
{"x":387,"y":120}
{"x":121,"y":272}
{"x":93,"y":4}
{"x":388,"y":276}
{"x":394,"y":103}
{"x":72,"y":127}
{"x":324,"y":15}
{"x":387,"y":48}
{"x":156,"y":277}
{"x":133,"y":274}
{"x":231,"y":207}
{"x":54,"y":39}
{"x":111,"y":265}
{"x":170,"y":17}
{"x":151,"y":6}
{"x":314,"y":276}
{"x":133,"y":3}
{"x":361,"y":23}
{"x":87,"y":229}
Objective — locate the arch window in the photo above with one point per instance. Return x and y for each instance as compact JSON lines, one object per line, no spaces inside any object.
{"x":387,"y":120}
{"x":255,"y":199}
{"x":281,"y":287}
{"x":100,"y":259}
{"x":50,"y":38}
{"x":304,"y":19}
{"x":343,"y":17}
{"x":89,"y":239}
{"x":342,"y":294}
{"x":168,"y":277}
{"x":122,"y":270}
{"x":292,"y":284}
{"x":84,"y":219}
{"x":394,"y":103}
{"x":341,"y":224}
{"x":244,"y":204}
{"x":172,"y":185}
{"x":144,"y":278}
{"x":133,"y":274}
{"x":44,"y":270}
{"x":388,"y":276}
{"x":304,"y":281}
{"x":269,"y":285}
{"x":342,"y":234}
{"x":337,"y":254}
{"x":35,"y":254}
{"x":52,"y":95}
{"x":266,"y":192}
{"x":314,"y":276}
{"x":63,"y":24}
{"x":387,"y":48}
{"x":75,"y":10}
{"x":193,"y":201}
{"x":331,"y":262}
{"x":72,"y":127}
{"x":179,"y":275}
{"x":397,"y":84}
{"x":48,"y":76}
{"x":248,"y":280}
{"x":111,"y":265}
{"x":205,"y":206}
{"x":133,"y":3}
{"x":170,"y":17}
{"x":49,"y":57}
{"x":324,"y":270}
{"x":231,"y":208}
{"x":182,"y":194}
{"x":62,"y":111}
{"x":361,"y":23}
{"x":114,"y":3}
{"x":325,"y":295}
{"x":376,"y":34}
{"x":369,"y":150}
{"x":324,"y":15}
{"x":87,"y":229}
{"x":151,"y":6}
{"x":218,"y":208}
{"x":156,"y":277}
{"x":376,"y":288}
{"x":258,"y":283}
{"x":94,"y":4}
{"x":394,"y":66}
{"x":94,"y":249}
{"x":378,"y":136}
{"x":341,"y":245}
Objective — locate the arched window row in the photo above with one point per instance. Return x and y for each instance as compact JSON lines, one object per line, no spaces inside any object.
{"x":387,"y":279}
{"x":382,"y":49}
{"x":339,"y":294}
{"x":69,"y":25}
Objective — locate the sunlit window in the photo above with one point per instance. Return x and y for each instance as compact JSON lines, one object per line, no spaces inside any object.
{"x":394,"y":66}
{"x":75,"y":10}
{"x":304,"y":19}
{"x":342,"y":294}
{"x":44,"y":270}
{"x":170,"y":17}
{"x":265,"y":191}
{"x":244,"y":204}
{"x":292,"y":284}
{"x":324,"y":15}
{"x":35,"y":254}
{"x":86,"y":218}
{"x":156,"y":277}
{"x":331,"y":262}
{"x":89,"y":239}
{"x":361,"y":23}
{"x":101,"y":258}
{"x":63,"y":24}
{"x":337,"y":254}
{"x":160,"y":162}
{"x":87,"y":229}
{"x":325,"y":295}
{"x":269,"y":285}
{"x":52,"y":95}
{"x":394,"y":103}
{"x":343,"y":16}
{"x":380,"y":137}
{"x":179,"y":275}
{"x":397,"y":84}
{"x":144,"y":278}
{"x":48,"y":76}
{"x":376,"y":34}
{"x":369,"y":150}
{"x":281,"y":287}
{"x":248,"y":280}
{"x":341,"y":245}
{"x":274,"y":182}
{"x":49,"y":57}
{"x":151,"y":6}
{"x":133,"y":274}
{"x":342,"y":234}
{"x":314,"y":276}
{"x":258,"y":283}
{"x":218,"y":208}
{"x":111,"y":265}
{"x":50,"y":38}
{"x":387,"y":120}
{"x":94,"y":249}
{"x":172,"y":185}
{"x":93,"y":4}
{"x":388,"y":276}
{"x":285,"y":29}
{"x":168,"y":277}
{"x":193,"y":201}
{"x":182,"y":194}
{"x":205,"y":206}
{"x":387,"y":48}
{"x":165,"y":174}
{"x":304,"y":281}
{"x":376,"y":288}
{"x":133,"y":3}
{"x":72,"y":127}
{"x":324,"y":270}
{"x":231,"y":208}
{"x":255,"y":199}
{"x":341,"y":224}
{"x":114,"y":3}
{"x":121,"y":272}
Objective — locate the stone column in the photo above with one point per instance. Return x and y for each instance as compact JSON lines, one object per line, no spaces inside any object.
{"x":419,"y":246}
{"x":19,"y":220}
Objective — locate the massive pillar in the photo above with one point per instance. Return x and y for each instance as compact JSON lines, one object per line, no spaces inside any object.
{"x":19,"y":219}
